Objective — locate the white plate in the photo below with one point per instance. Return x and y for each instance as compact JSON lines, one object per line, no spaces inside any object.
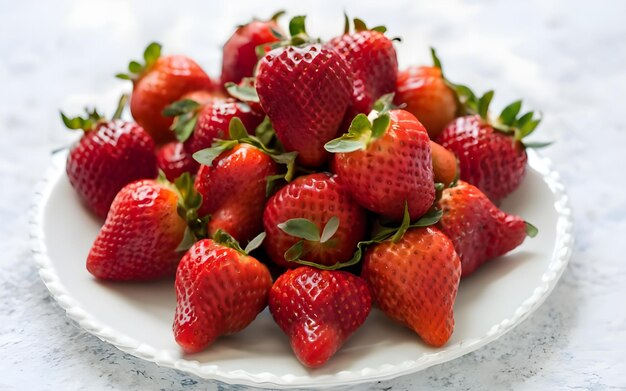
{"x":137,"y":318}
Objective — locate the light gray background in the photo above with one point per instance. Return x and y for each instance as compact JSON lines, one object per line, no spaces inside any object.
{"x":566,"y":58}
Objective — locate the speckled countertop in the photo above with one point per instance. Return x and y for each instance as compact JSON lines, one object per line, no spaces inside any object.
{"x":566,"y":58}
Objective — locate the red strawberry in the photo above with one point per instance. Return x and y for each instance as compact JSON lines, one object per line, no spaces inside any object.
{"x":219,"y":291}
{"x":491,"y":154}
{"x":173,"y":160}
{"x":415,"y":280}
{"x":108,"y":156}
{"x":234,"y":190}
{"x":305,"y":92}
{"x":240,"y":54}
{"x":386,"y":163}
{"x":143,"y":233}
{"x":479,"y":230}
{"x":198,"y":125}
{"x":297,"y":213}
{"x":319,"y":310}
{"x":428,"y":96}
{"x":372,"y":60}
{"x":161,"y":81}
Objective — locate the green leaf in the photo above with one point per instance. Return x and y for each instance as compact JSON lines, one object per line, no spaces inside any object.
{"x":329,"y":229}
{"x":188,"y":240}
{"x":121,"y":104}
{"x":531,"y":230}
{"x":356,"y":138}
{"x":406,"y":221}
{"x":538,"y":144}
{"x":184,"y":126}
{"x":243,"y":92}
{"x":255,"y":243}
{"x":384,"y":103}
{"x":296,"y":25}
{"x":380,"y":29}
{"x":483,"y":104}
{"x":206,"y":156}
{"x":301,"y":228}
{"x":430,"y":218}
{"x":294,"y":252}
{"x":277,"y":15}
{"x":509,"y":113}
{"x":75,"y":122}
{"x":265,"y":132}
{"x":380,"y":125}
{"x":225,"y":239}
{"x":288,"y":159}
{"x":346,"y":24}
{"x":436,"y":61}
{"x":528,"y":127}
{"x":123,"y":76}
{"x":135,"y":67}
{"x":271,"y":183}
{"x":151,"y":54}
{"x":236,"y":129}
{"x":359,"y":25}
{"x":180,"y":107}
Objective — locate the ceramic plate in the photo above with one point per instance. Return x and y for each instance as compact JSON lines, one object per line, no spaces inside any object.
{"x":137,"y":318}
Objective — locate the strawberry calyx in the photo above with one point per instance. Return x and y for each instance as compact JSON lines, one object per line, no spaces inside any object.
{"x":189,"y":201}
{"x":92,"y":117}
{"x":245,"y":91}
{"x":185,"y":113}
{"x":298,"y":37}
{"x":135,"y":69}
{"x":359,"y":25}
{"x":308,"y":232}
{"x":531,"y":230}
{"x":238,"y":134}
{"x":225,"y":239}
{"x":364,"y":129}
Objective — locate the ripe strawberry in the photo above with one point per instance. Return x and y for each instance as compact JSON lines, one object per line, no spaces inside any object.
{"x":174,"y":160}
{"x":372,"y":60}
{"x":108,"y":156}
{"x":428,"y":96}
{"x":297,"y":213}
{"x":415,"y":280}
{"x":305,"y":91}
{"x":143,"y":234}
{"x":219,"y":290}
{"x":233,"y":187}
{"x":386,"y":163}
{"x":240,"y":54}
{"x":198,"y":125}
{"x":319,"y":310}
{"x":479,"y":230}
{"x":491,"y":154}
{"x":161,"y":81}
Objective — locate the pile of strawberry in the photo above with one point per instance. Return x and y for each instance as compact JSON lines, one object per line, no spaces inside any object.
{"x":300,"y":156}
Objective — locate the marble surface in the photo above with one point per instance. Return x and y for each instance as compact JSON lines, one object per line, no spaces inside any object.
{"x":565,"y":58}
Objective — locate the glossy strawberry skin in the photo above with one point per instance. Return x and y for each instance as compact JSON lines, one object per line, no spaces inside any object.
{"x":139,"y":238}
{"x":305,"y":92}
{"x":214,"y":119}
{"x":479,"y":230}
{"x":219,"y":291}
{"x":174,"y":161}
{"x":492,"y":161}
{"x":233,"y":191}
{"x":107,"y":158}
{"x":319,"y":310}
{"x":316,"y":197}
{"x":427,"y":96}
{"x":239,"y":54}
{"x":164,"y":83}
{"x":394,"y":169}
{"x":415,"y":282}
{"x":374,"y":66}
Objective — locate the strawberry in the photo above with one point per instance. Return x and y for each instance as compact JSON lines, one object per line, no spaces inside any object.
{"x":219,"y":290}
{"x":305,"y":91}
{"x":161,"y":81}
{"x":373,"y":64}
{"x":174,"y":160}
{"x":240,"y":51}
{"x":233,"y":181}
{"x":414,"y":280}
{"x":318,"y":310}
{"x":445,"y":166}
{"x":479,"y":230}
{"x":108,"y":156}
{"x":144,"y":234}
{"x":297,"y":213}
{"x":386,"y":163}
{"x":428,"y":96}
{"x":491,"y":153}
{"x":198,"y":125}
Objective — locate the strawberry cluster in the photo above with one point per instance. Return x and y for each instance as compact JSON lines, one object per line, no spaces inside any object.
{"x":300,"y":156}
